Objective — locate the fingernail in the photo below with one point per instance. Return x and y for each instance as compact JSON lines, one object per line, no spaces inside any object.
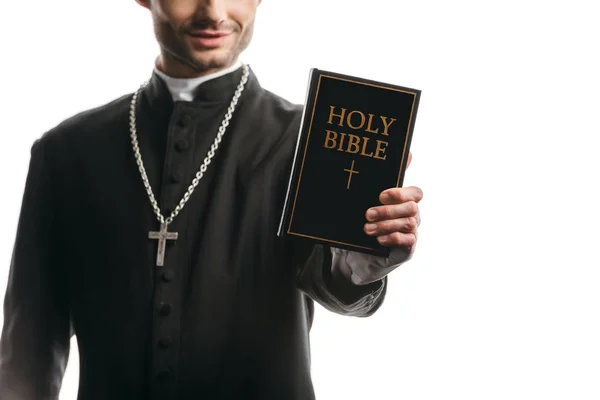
{"x":371,"y":215}
{"x":371,"y":228}
{"x":385,"y":197}
{"x":383,"y":239}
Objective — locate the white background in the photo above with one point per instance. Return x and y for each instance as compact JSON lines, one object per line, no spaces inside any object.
{"x":502,"y":299}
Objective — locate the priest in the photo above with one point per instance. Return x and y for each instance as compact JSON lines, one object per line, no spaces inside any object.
{"x":148,"y":229}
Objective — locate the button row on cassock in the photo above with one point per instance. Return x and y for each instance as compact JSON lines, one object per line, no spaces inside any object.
{"x":164,"y":309}
{"x":165,"y":342}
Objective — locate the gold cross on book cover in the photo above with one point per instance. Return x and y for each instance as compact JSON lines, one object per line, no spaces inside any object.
{"x":353,"y":144}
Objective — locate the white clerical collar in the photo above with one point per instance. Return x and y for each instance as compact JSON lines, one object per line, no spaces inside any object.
{"x":183,"y":89}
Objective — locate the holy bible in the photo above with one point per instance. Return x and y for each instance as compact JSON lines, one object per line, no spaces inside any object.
{"x":353,"y":143}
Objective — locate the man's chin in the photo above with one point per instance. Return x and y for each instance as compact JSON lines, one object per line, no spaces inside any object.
{"x":213,"y":59}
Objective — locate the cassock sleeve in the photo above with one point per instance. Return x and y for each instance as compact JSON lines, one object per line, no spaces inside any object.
{"x":34,"y":346}
{"x":320,"y":277}
{"x":362,"y":268}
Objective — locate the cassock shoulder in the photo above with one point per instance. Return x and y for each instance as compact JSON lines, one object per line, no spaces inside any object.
{"x":88,"y":125}
{"x":275,"y":124}
{"x":277,"y":113}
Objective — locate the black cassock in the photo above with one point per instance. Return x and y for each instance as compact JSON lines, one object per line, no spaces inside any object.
{"x":228,"y":315}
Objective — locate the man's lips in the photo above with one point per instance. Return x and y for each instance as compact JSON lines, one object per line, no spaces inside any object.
{"x":209,"y":39}
{"x":209,"y":34}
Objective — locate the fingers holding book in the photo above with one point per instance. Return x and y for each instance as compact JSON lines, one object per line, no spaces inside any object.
{"x":395,"y":223}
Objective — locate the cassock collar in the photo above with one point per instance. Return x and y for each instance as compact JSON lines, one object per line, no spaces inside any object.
{"x":186,"y":89}
{"x":218,"y":88}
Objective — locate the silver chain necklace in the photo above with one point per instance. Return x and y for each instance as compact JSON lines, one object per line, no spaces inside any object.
{"x":163,"y":235}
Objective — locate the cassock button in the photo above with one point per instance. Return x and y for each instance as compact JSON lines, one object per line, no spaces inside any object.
{"x":176,"y":177}
{"x":183,"y":121}
{"x":164,"y":309}
{"x":165,"y":342}
{"x":164,"y":374}
{"x":168,"y":275}
{"x":182,"y":145}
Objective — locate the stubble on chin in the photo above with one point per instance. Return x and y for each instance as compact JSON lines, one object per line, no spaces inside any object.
{"x":221,"y":58}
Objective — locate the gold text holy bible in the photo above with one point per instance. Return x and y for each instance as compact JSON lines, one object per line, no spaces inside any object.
{"x":353,"y":144}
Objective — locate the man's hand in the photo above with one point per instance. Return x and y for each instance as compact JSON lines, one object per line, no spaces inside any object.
{"x":396,"y":221}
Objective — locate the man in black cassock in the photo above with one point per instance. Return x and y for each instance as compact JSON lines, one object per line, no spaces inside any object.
{"x":223,"y":310}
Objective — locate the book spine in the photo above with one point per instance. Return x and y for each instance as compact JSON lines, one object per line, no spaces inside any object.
{"x":302,"y":133}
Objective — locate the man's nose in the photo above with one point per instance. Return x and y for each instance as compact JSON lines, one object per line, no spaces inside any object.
{"x":212,"y":10}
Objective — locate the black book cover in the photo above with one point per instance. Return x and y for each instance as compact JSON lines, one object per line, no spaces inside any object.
{"x":353,"y":144}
